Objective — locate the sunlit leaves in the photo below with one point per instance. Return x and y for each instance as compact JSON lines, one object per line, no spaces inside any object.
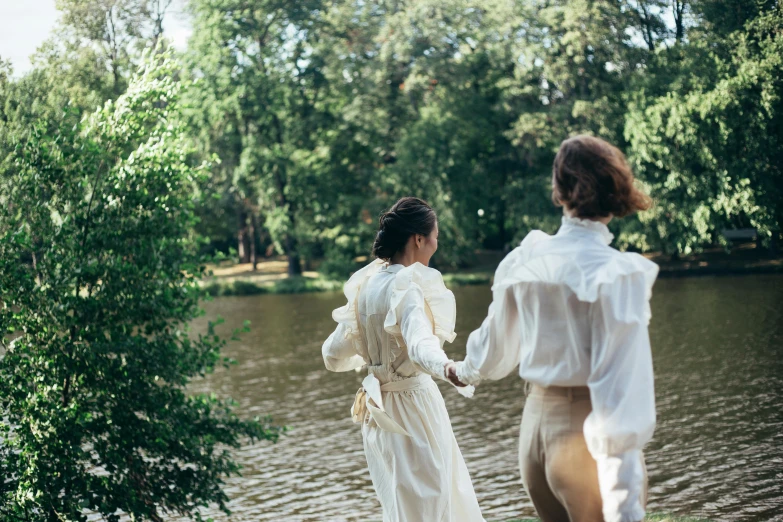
{"x":99,"y":273}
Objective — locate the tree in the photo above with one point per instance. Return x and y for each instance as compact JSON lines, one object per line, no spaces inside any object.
{"x":425,"y":84}
{"x":709,"y":151}
{"x":272,"y":120}
{"x":99,"y":275}
{"x":465,"y":105}
{"x":96,"y":37}
{"x":94,"y":47}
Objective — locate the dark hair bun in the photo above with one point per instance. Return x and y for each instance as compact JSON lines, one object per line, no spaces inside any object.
{"x":407,"y":217}
{"x":385,"y":247}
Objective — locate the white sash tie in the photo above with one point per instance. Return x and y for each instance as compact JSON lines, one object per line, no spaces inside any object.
{"x":369,"y":399}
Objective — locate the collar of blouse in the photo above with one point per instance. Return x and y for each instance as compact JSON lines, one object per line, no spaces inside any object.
{"x":393,"y":268}
{"x":586,"y":227}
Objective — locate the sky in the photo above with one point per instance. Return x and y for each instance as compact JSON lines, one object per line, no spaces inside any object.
{"x":25,"y":24}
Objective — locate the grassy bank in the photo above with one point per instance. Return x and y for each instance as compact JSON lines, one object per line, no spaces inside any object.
{"x":288,"y":285}
{"x":648,"y":518}
{"x":270,"y":277}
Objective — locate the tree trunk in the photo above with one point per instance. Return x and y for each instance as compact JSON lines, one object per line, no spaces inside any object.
{"x":294,"y":262}
{"x":294,"y":265}
{"x":242,"y":253}
{"x":251,"y":232}
{"x":502,"y":233}
{"x":647,"y":28}
{"x":241,"y":245}
{"x":679,"y":22}
{"x":774,"y":244}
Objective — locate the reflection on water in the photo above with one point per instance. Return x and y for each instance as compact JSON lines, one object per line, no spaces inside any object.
{"x":717,"y":450}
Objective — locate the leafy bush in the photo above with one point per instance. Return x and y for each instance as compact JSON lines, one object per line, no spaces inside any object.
{"x":99,"y":271}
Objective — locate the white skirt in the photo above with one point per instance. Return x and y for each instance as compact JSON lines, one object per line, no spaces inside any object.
{"x":422,"y":477}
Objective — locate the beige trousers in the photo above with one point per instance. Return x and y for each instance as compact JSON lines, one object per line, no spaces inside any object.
{"x":558,"y":472}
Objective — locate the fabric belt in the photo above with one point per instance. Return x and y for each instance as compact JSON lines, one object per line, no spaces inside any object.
{"x":558,"y":391}
{"x":369,"y":400}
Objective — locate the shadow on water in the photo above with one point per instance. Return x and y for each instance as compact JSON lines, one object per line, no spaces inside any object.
{"x":717,"y":451}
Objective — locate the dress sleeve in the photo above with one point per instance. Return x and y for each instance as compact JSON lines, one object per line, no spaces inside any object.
{"x":424,"y":347}
{"x":339,"y":352}
{"x":493,"y":350}
{"x":345,"y":349}
{"x":622,"y":394}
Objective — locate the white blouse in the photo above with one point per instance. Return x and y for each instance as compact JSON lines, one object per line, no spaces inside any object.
{"x":569,"y":310}
{"x":405,"y":312}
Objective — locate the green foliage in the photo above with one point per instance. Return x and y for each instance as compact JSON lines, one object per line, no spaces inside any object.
{"x":288,"y":162}
{"x":318,"y":115}
{"x":710,"y":152}
{"x":99,"y":274}
{"x":466,"y":105}
{"x":96,"y":45}
{"x":337,"y":262}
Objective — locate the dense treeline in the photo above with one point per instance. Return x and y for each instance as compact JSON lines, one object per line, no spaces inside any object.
{"x":321,"y":113}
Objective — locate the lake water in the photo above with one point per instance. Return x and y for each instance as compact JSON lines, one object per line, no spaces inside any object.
{"x":717,"y":451}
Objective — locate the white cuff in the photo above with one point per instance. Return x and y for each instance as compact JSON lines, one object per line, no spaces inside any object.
{"x":467,"y":374}
{"x":621,"y":480}
{"x":442,"y":373}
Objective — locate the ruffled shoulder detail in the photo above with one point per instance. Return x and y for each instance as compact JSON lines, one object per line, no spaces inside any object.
{"x":441,"y":305}
{"x":628,"y":264}
{"x":347,"y":314}
{"x":518,"y":256}
{"x":627,"y":282}
{"x":586,"y":280}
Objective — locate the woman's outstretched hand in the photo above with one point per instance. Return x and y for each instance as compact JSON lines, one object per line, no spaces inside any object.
{"x":451,"y":375}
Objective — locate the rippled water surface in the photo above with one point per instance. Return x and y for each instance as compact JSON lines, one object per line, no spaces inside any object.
{"x":717,"y":450}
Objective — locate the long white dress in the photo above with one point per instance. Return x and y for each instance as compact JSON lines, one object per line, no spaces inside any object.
{"x":395,"y":323}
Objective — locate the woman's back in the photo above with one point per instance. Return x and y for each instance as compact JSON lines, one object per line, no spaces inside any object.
{"x":561,"y":284}
{"x":396,"y":306}
{"x":387,"y":355}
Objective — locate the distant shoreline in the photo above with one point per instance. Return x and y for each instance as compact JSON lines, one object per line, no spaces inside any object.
{"x":270,"y":276}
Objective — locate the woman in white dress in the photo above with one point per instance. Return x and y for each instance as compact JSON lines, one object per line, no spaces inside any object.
{"x":572,"y":313}
{"x":399,"y":314}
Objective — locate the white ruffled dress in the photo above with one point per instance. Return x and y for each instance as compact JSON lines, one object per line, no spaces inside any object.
{"x":394,"y":324}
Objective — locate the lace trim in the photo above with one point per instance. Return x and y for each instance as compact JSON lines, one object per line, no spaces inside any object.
{"x":589,"y":225}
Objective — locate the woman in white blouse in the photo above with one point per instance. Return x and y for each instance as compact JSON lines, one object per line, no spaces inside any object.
{"x":399,"y":314}
{"x":572,"y":313}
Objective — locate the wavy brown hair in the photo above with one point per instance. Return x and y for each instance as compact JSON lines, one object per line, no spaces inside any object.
{"x":593,"y":179}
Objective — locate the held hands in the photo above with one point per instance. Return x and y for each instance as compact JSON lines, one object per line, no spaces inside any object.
{"x":451,"y":375}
